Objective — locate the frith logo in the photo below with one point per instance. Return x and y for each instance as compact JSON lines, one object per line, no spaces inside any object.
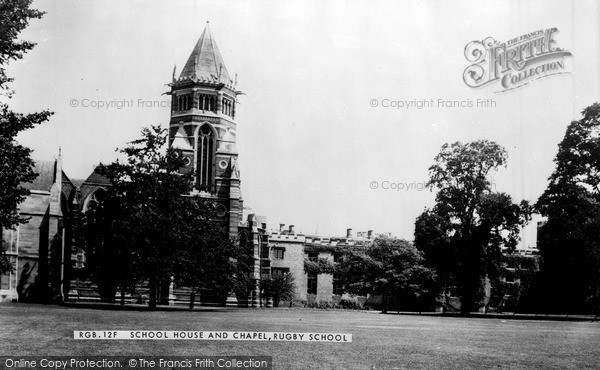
{"x":514,"y":63}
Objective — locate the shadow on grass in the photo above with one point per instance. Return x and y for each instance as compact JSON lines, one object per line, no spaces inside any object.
{"x":206,"y":308}
{"x":504,"y":316}
{"x":145,"y":308}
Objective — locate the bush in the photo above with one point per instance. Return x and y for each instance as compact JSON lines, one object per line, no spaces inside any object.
{"x":279,"y":287}
{"x":320,"y":305}
{"x":344,"y":304}
{"x":349,"y":305}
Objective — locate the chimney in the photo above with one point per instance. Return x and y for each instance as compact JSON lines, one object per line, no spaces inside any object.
{"x":281,"y":226}
{"x":291,"y":229}
{"x":370,"y":234}
{"x":349,"y":233}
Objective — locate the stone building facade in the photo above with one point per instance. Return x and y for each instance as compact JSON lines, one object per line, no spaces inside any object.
{"x":299,"y":254}
{"x":287,"y":256}
{"x":38,"y":247}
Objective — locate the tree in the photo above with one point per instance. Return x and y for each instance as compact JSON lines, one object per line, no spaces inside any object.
{"x":279,"y":287}
{"x":469,"y":227}
{"x":151,"y":230}
{"x":207,"y":256}
{"x":16,"y":165}
{"x":433,"y":240}
{"x":391,"y":268}
{"x":105,"y":230}
{"x":147,"y":190}
{"x":569,"y":241}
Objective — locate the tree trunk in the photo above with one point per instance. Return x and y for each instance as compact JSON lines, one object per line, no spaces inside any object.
{"x":469,"y":278}
{"x":467,"y":299}
{"x":192,"y":299}
{"x":384,"y":302}
{"x":464,"y":307}
{"x":152,"y":293}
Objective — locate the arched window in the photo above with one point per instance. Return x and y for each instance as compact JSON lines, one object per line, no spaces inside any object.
{"x":206,"y":102}
{"x":93,"y":200}
{"x":184,"y":102}
{"x":206,"y":145}
{"x":227,"y":107}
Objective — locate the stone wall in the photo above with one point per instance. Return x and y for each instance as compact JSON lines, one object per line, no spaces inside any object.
{"x":36,"y":244}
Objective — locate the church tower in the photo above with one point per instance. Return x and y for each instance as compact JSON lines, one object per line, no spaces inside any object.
{"x":203,"y":127}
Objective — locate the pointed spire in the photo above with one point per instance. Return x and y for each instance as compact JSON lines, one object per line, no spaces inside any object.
{"x":174,"y":72}
{"x":205,"y":61}
{"x":58,"y":177}
{"x":58,"y":165}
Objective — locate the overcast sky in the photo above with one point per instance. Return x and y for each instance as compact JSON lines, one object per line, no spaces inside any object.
{"x":310,"y":141}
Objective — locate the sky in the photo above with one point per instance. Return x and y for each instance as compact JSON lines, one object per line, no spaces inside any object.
{"x":321,"y":146}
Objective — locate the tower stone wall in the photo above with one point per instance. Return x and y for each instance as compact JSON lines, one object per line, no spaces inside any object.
{"x":203,"y":128}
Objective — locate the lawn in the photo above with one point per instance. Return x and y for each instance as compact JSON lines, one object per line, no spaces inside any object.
{"x":379,"y":341}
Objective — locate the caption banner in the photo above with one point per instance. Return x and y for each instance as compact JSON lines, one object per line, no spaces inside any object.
{"x":210,"y":335}
{"x":136,"y":362}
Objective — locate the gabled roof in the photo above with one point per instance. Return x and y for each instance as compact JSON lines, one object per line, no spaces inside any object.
{"x":205,"y":63}
{"x":47,"y":171}
{"x":97,"y":179}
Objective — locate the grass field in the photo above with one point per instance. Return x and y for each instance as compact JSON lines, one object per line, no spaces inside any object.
{"x":379,"y":341}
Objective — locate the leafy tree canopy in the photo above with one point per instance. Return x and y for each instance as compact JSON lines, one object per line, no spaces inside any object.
{"x":147,"y":204}
{"x":16,"y":165}
{"x":152,"y":224}
{"x":390,"y":268}
{"x":569,"y":242}
{"x":464,"y":234}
